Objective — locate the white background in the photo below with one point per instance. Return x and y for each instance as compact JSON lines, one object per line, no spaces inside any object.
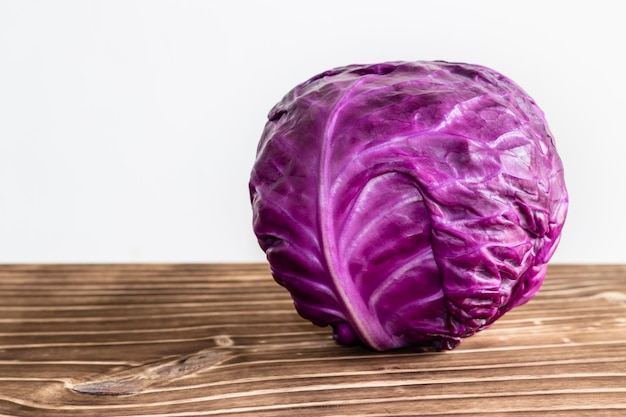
{"x":128,"y":128}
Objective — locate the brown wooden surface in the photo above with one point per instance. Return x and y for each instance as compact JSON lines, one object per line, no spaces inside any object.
{"x":224,"y":340}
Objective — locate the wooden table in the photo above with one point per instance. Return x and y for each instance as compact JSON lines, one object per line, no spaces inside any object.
{"x":224,"y":340}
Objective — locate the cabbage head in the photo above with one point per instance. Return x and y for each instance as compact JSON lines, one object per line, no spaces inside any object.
{"x":407,"y":203}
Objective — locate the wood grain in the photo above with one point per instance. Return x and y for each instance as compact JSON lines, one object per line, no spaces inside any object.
{"x":224,"y":340}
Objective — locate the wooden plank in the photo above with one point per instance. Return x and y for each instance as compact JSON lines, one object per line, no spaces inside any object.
{"x":224,"y":340}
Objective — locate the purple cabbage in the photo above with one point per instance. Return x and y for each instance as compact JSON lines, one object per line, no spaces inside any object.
{"x":407,"y":203}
